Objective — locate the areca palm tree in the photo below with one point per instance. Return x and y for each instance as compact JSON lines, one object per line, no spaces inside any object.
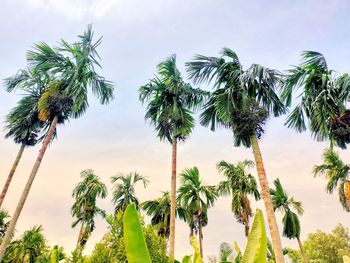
{"x":159,"y":211}
{"x":22,"y":122}
{"x":71,"y":69}
{"x":28,"y":248}
{"x":337,"y":174}
{"x":322,"y":99}
{"x":285,"y":204}
{"x":124,"y":190}
{"x":85,"y":208}
{"x":197,"y":198}
{"x":170,"y":104}
{"x":239,"y":185}
{"x":242,"y":101}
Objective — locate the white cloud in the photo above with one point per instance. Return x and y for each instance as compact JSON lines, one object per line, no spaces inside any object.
{"x":77,"y":9}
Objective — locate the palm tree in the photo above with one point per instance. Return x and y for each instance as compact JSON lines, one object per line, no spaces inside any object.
{"x":71,"y":68}
{"x":242,"y":101}
{"x":124,"y":190}
{"x":322,"y":99}
{"x":85,"y":208}
{"x":337,"y":174}
{"x":170,"y":105}
{"x":286,"y":205}
{"x":197,"y":198}
{"x":28,"y":248}
{"x":239,"y":185}
{"x":159,"y":211}
{"x":23,"y":124}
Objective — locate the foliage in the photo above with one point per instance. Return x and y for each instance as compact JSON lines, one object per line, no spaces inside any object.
{"x":135,"y":243}
{"x":4,"y":222}
{"x":170,"y":102}
{"x":282,"y":202}
{"x":322,"y":99}
{"x":336,"y":172}
{"x":324,"y":247}
{"x":124,"y":190}
{"x":196,"y":198}
{"x":239,"y":184}
{"x":159,"y":210}
{"x":85,"y":208}
{"x":242,"y":99}
{"x":256,"y":248}
{"x":28,"y":248}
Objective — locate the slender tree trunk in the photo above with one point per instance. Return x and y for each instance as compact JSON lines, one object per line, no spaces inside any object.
{"x":200,"y":240}
{"x":12,"y":172}
{"x":302,"y":251}
{"x":173,"y":201}
{"x":7,"y":238}
{"x":81,"y":233}
{"x":265,"y":192}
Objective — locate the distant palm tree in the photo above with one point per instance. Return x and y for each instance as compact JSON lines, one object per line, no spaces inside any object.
{"x":337,"y":174}
{"x":159,"y":211}
{"x":291,"y":223}
{"x":28,"y":248}
{"x":71,"y":68}
{"x":124,"y":190}
{"x":85,"y":208}
{"x":239,"y":185}
{"x":242,"y":101}
{"x":197,"y":198}
{"x":22,"y":122}
{"x":170,"y":104}
{"x":322,"y":99}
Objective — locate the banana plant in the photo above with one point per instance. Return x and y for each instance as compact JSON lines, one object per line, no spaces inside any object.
{"x":134,"y":239}
{"x":137,"y":251}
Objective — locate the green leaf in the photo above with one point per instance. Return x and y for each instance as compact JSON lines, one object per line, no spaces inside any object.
{"x":186,"y":259}
{"x":135,"y":244}
{"x":256,"y":249}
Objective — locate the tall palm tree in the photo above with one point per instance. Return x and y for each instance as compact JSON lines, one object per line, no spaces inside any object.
{"x":322,"y":99}
{"x":71,"y":68}
{"x":170,"y":104}
{"x":124,"y":190}
{"x":22,"y":122}
{"x":239,"y":185}
{"x":286,"y":205}
{"x":85,"y":208}
{"x":159,"y":211}
{"x":197,"y":198}
{"x":242,"y":100}
{"x":28,"y":248}
{"x":337,"y":174}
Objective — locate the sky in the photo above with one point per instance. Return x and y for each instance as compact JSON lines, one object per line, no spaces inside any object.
{"x":137,"y":35}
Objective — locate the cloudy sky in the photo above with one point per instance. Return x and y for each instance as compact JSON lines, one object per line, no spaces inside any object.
{"x":138,"y":34}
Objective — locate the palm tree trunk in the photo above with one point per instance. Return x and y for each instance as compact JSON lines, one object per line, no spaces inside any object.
{"x":7,"y":238}
{"x":265,"y":192}
{"x":200,"y":240}
{"x":12,"y":172}
{"x":81,"y":232}
{"x":302,"y":250}
{"x":173,"y":201}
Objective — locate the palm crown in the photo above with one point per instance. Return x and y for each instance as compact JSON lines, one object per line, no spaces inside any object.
{"x":170,"y":102}
{"x":322,"y":99}
{"x":239,"y":184}
{"x":242,"y":99}
{"x":86,"y":193}
{"x":285,"y":204}
{"x":124,"y":190}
